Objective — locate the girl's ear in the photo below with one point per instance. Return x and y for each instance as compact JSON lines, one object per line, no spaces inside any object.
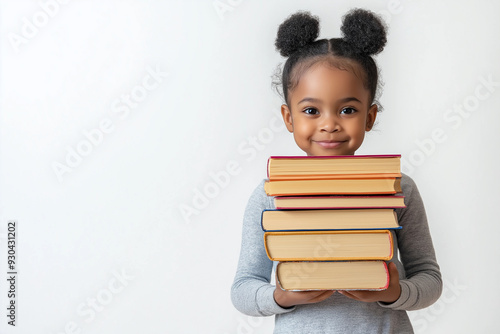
{"x":287,"y":117}
{"x":370,"y":118}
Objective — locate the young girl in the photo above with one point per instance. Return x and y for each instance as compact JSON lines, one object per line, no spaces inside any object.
{"x":329,"y":87}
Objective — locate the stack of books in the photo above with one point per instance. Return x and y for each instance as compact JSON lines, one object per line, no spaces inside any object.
{"x":331,"y":229}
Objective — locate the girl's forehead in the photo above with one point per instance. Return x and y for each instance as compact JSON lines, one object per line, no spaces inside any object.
{"x":323,"y":78}
{"x":322,"y":63}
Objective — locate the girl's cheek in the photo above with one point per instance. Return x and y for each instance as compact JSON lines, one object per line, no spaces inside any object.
{"x":304,"y":125}
{"x":301,"y":131}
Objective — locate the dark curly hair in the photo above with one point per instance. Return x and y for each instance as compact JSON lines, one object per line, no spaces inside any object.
{"x":364,"y":35}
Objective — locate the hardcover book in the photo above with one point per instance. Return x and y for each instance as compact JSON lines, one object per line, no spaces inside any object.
{"x":338,"y":275}
{"x":329,"y":245}
{"x":339,"y":202}
{"x":333,"y":187}
{"x":342,"y":219}
{"x":328,"y":167}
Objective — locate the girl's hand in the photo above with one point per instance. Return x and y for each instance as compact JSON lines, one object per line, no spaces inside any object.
{"x":390,"y":295}
{"x":287,"y":299}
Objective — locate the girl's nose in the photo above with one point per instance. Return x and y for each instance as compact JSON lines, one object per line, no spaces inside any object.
{"x":329,"y":123}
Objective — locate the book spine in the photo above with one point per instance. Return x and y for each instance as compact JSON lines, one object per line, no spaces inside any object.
{"x":267,"y":247}
{"x":262,"y":220}
{"x":268,"y":166}
{"x":387,"y":275}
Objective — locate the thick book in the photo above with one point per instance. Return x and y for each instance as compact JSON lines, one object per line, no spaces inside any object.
{"x":329,"y":245}
{"x":333,"y":275}
{"x":343,"y":219}
{"x":377,"y":186}
{"x":331,"y":167}
{"x":339,"y":202}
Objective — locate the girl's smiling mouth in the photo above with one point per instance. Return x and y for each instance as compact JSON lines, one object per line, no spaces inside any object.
{"x":329,"y":143}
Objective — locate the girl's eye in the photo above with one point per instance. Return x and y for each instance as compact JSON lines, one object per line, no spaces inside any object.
{"x":311,"y":111}
{"x":348,"y":111}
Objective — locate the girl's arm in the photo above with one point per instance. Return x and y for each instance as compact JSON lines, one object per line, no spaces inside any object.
{"x":417,"y":281}
{"x":251,"y":292}
{"x":420,"y":280}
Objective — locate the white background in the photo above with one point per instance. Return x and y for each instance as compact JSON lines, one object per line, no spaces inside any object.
{"x":117,"y":210}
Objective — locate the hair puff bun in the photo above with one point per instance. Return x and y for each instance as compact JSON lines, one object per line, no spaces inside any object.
{"x":295,"y":32}
{"x":364,"y":32}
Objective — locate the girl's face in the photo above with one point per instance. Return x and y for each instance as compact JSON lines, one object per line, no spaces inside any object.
{"x":329,"y":111}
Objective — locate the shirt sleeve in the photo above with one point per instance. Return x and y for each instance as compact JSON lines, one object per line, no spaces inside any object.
{"x":251,"y":292}
{"x":421,"y":282}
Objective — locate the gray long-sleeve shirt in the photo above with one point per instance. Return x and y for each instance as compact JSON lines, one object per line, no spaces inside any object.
{"x":419,"y":275}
